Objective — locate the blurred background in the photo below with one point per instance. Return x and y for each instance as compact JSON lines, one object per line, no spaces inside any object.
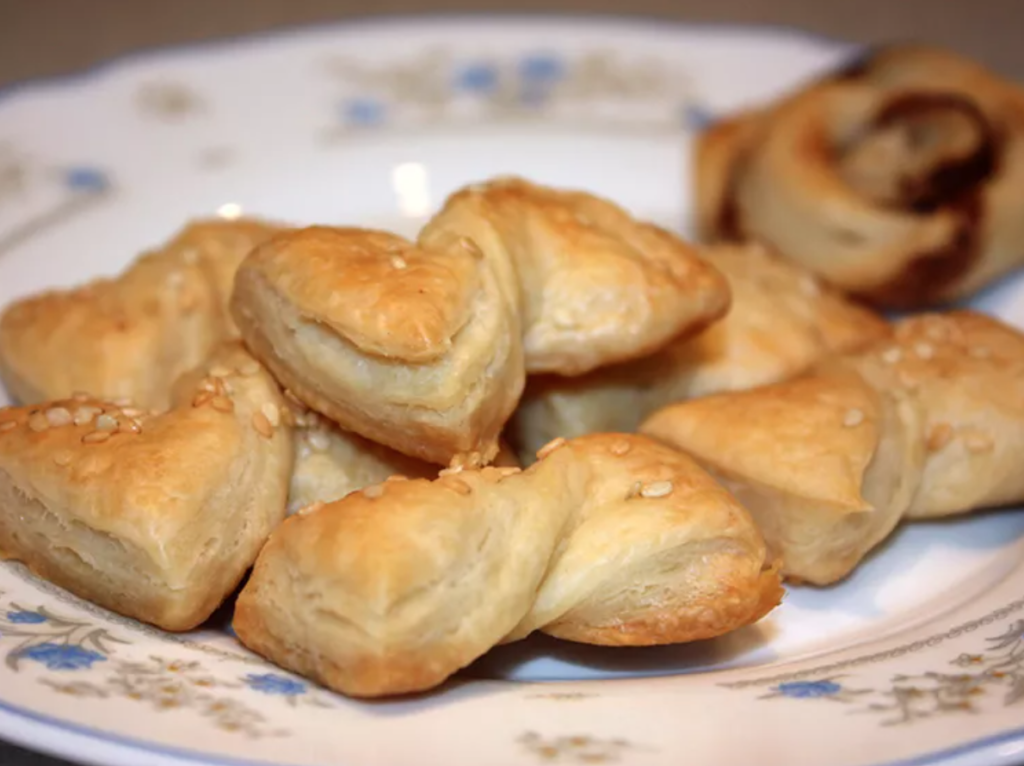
{"x":42,"y":38}
{"x":47,"y":37}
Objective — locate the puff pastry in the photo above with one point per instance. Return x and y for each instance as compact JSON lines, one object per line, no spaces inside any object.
{"x":782,"y":320}
{"x":156,"y":517}
{"x":608,"y":539}
{"x":131,"y":336}
{"x":929,"y":423}
{"x":424,"y":348}
{"x":899,"y":178}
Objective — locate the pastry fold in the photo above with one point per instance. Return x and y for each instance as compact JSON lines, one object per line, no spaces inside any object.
{"x":425,"y":347}
{"x":156,"y":517}
{"x":608,"y":539}
{"x":899,"y":178}
{"x":782,"y":320}
{"x":132,"y":336}
{"x":929,"y":423}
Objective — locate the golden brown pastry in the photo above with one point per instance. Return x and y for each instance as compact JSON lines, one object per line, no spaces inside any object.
{"x":609,"y":539}
{"x":424,"y":348}
{"x":594,"y":285}
{"x":156,"y":517}
{"x":900,"y":179}
{"x":131,"y":336}
{"x":413,"y":349}
{"x":929,"y":423}
{"x":782,"y":320}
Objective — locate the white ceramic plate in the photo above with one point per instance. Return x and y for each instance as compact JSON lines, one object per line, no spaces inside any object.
{"x":917,"y":659}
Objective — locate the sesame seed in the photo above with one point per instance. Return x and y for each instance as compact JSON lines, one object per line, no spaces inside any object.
{"x":85,"y":415}
{"x":853,"y":417}
{"x":924,"y":350}
{"x":106,"y":422}
{"x":450,"y":470}
{"x":58,"y":416}
{"x":63,"y":457}
{"x":459,"y":486}
{"x":980,"y":352}
{"x":96,"y":437}
{"x":318,"y":440}
{"x":220,"y":371}
{"x":81,"y":396}
{"x":222,"y":404}
{"x":132,"y":412}
{"x":471,"y":247}
{"x":508,"y":470}
{"x":211,"y":385}
{"x":374,"y":491}
{"x":397,"y":477}
{"x":272,"y":414}
{"x":124,"y":401}
{"x":10,"y":425}
{"x":657,"y":489}
{"x":311,"y":508}
{"x":550,"y":447}
{"x":809,"y":285}
{"x":262,"y":425}
{"x":621,"y":447}
{"x":250,"y":368}
{"x":978,"y":442}
{"x":892,"y":355}
{"x":398,"y":262}
{"x":939,"y":437}
{"x":130,"y":426}
{"x":37,"y":422}
{"x":203,"y":398}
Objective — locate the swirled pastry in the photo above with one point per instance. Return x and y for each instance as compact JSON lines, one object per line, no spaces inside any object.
{"x":930,"y":423}
{"x":425,"y":347}
{"x":131,"y":336}
{"x":782,"y":320}
{"x":156,"y":517}
{"x":899,"y":179}
{"x":607,"y":540}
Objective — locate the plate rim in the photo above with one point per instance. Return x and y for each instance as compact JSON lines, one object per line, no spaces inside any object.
{"x":110,"y":747}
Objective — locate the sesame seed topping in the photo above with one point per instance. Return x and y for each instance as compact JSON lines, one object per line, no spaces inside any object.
{"x":272,"y":414}
{"x":222,"y":404}
{"x":550,"y":447}
{"x":853,"y":417}
{"x":657,"y":489}
{"x":212,"y":385}
{"x":398,"y":262}
{"x":892,"y":355}
{"x":471,"y":247}
{"x":130,"y":426}
{"x":262,"y":425}
{"x":220,"y":371}
{"x":397,"y":477}
{"x":508,"y":470}
{"x":978,"y":442}
{"x":459,"y":486}
{"x":84,"y":415}
{"x":124,"y":401}
{"x":81,"y":396}
{"x":311,"y":508}
{"x":37,"y":422}
{"x":924,"y":350}
{"x":939,"y":437}
{"x":318,"y":440}
{"x":106,"y":422}
{"x":621,"y":447}
{"x":63,"y":457}
{"x":58,"y":416}
{"x":10,"y":425}
{"x":250,"y":368}
{"x":980,"y":352}
{"x":96,"y":437}
{"x":374,"y":491}
{"x":203,"y":398}
{"x":451,"y":470}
